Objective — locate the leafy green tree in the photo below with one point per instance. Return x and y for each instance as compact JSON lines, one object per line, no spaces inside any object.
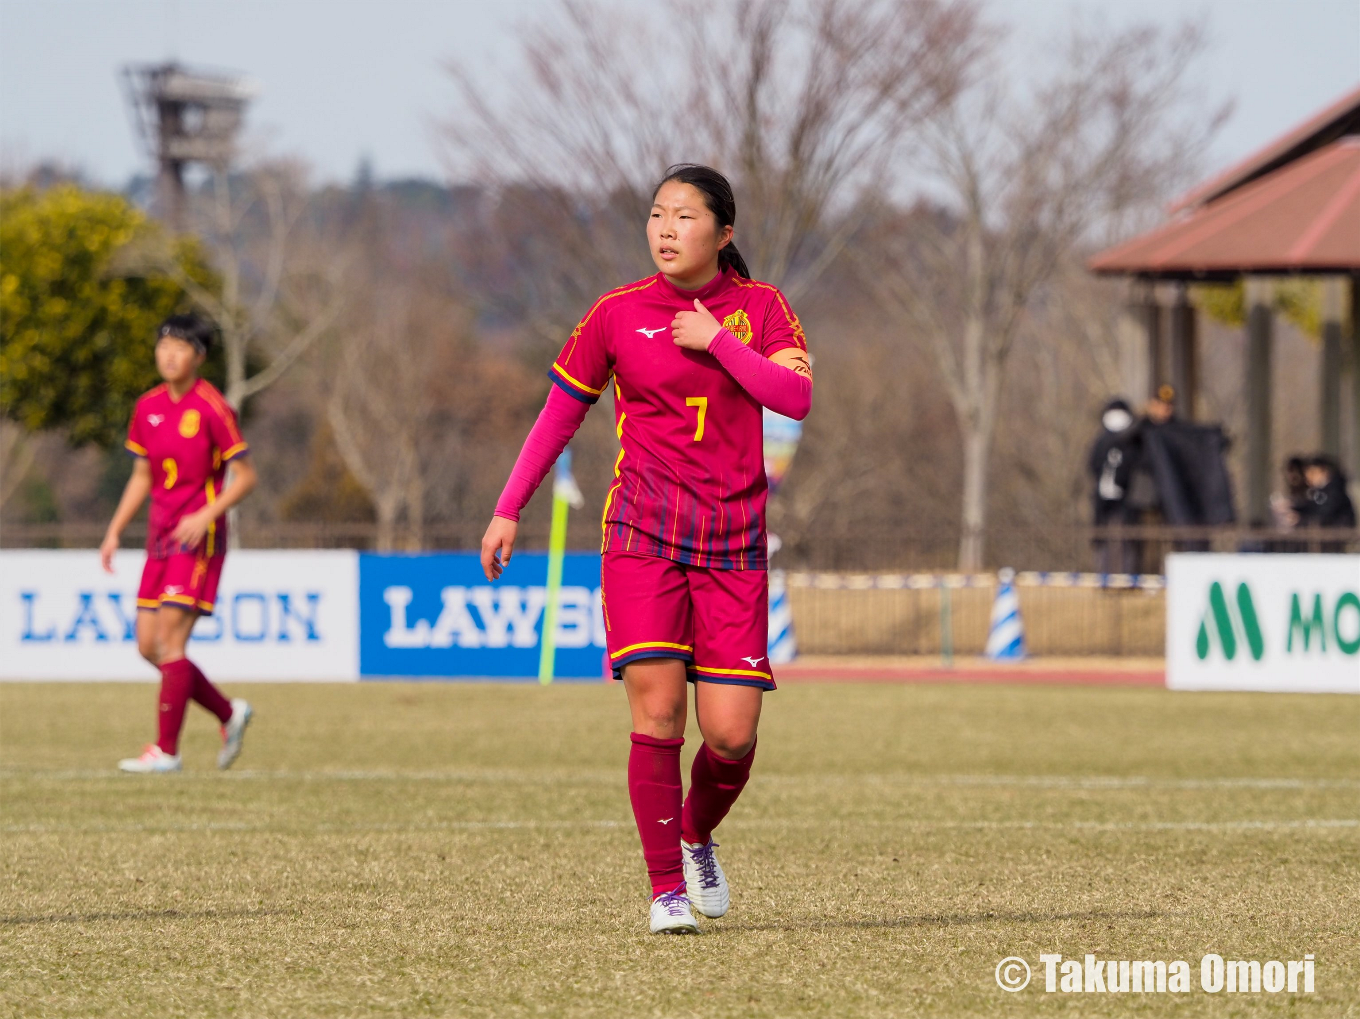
{"x":77,"y":331}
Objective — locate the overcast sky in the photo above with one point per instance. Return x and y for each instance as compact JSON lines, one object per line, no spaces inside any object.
{"x":343,"y":79}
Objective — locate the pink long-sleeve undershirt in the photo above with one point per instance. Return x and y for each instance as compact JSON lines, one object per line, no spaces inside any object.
{"x":781,"y":389}
{"x":556,"y":424}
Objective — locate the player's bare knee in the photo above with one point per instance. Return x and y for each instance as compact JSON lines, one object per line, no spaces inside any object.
{"x":731,"y":746}
{"x":666,"y":721}
{"x":660,"y":715}
{"x":148,"y":650}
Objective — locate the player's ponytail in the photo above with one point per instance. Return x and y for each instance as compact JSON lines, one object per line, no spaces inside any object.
{"x":718,"y":197}
{"x":730,"y":256}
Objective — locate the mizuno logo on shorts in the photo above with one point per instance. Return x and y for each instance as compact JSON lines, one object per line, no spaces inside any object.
{"x":754,"y":661}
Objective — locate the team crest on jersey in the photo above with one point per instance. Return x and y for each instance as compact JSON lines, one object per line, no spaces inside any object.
{"x":739,"y":325}
{"x":188,"y":424}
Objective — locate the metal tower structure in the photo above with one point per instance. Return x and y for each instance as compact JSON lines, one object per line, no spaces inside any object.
{"x":184,"y":116}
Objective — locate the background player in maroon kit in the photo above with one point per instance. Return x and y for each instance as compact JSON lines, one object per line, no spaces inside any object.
{"x":183,"y":434}
{"x":693,"y":353}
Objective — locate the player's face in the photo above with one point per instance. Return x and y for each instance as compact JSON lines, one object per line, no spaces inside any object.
{"x":177,"y":360}
{"x":684,"y":235}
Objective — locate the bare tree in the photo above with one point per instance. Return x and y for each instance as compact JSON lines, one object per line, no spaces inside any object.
{"x":380,"y":407}
{"x":282,"y":270}
{"x":803,"y":104}
{"x":416,"y":403}
{"x":1029,"y":179}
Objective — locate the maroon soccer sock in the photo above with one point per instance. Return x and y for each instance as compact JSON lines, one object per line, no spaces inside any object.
{"x":714,"y":785}
{"x":654,"y":788}
{"x":209,"y":696}
{"x":177,"y":682}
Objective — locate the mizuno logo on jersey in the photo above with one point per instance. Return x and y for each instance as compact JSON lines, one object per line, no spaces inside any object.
{"x":649,"y":333}
{"x":154,"y":419}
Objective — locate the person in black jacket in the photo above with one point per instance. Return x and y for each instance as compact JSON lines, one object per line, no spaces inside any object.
{"x":1289,"y":505}
{"x":1326,"y":504}
{"x":1111,"y":463}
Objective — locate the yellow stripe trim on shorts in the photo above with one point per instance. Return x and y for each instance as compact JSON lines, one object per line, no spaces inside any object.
{"x":148,"y":603}
{"x":731,"y":672}
{"x":651,"y":643}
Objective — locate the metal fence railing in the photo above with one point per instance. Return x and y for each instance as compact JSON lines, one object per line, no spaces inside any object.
{"x":1068,"y":547}
{"x":944,"y":614}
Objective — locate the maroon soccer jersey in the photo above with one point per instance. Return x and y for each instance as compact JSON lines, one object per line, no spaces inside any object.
{"x":187,"y":443}
{"x":689,"y":481}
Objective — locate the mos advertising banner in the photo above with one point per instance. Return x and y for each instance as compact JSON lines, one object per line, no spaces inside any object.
{"x":1263,"y":622}
{"x":436,"y":615}
{"x":280,"y":616}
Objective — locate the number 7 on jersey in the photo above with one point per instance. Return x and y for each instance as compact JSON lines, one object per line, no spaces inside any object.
{"x":702,"y":403}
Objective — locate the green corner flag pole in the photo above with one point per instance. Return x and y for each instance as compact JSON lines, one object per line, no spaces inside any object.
{"x":565,"y":496}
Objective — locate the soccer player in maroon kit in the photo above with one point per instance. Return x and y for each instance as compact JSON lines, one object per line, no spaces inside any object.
{"x":183,"y":434}
{"x":693,"y":353}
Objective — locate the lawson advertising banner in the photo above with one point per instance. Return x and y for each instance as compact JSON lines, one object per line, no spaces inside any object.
{"x":1286,"y":623}
{"x":305,"y":615}
{"x":436,"y":615}
{"x":280,"y":616}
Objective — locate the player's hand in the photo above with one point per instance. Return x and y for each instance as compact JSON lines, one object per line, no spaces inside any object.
{"x":108,"y":548}
{"x":191,"y":529}
{"x":499,"y":538}
{"x":694,"y":329}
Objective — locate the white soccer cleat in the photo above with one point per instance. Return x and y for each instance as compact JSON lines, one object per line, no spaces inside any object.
{"x":671,"y":915}
{"x":234,"y":732}
{"x":705,"y":882}
{"x":154,"y":761}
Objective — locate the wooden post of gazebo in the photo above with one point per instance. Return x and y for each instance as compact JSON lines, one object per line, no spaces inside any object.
{"x":1355,"y":374}
{"x":1260,"y":320}
{"x":1150,"y":317}
{"x":1329,"y":374}
{"x":1184,"y":353}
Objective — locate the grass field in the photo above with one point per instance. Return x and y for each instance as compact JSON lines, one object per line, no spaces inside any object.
{"x":432,"y":849}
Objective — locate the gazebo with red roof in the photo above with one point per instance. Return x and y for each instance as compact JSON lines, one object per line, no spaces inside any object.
{"x":1292,"y":208}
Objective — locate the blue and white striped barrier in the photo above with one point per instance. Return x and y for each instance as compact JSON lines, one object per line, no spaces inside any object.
{"x":782,"y":647}
{"x":1006,"y":638}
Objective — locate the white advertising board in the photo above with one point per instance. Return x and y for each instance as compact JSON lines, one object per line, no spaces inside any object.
{"x":280,"y":616}
{"x":1288,"y":623}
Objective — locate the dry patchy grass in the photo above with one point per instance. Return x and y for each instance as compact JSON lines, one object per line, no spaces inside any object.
{"x":467,"y":850}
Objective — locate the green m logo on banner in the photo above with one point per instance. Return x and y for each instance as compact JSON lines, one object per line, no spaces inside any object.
{"x":1229,"y":625}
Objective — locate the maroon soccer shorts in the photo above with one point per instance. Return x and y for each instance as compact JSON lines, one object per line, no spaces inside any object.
{"x":716,"y":621}
{"x":186,"y":580}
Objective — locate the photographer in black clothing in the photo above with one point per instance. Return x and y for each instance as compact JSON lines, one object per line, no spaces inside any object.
{"x":1326,"y":502}
{"x":1111,"y":463}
